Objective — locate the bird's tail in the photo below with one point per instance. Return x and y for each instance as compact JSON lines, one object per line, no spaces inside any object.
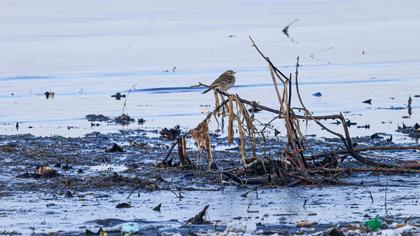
{"x":207,"y":90}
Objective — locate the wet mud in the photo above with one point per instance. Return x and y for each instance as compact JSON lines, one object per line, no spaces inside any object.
{"x":91,"y":182}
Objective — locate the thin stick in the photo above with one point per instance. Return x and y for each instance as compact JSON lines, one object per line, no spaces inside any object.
{"x":363,"y":149}
{"x":170,"y":150}
{"x":125,"y":99}
{"x":265,"y":58}
{"x":386,"y":193}
{"x":375,"y":169}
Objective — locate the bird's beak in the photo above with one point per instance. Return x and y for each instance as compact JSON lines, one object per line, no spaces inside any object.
{"x":234,"y":72}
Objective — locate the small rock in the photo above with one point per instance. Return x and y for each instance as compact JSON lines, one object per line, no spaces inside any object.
{"x":97,"y":118}
{"x":26,"y":175}
{"x":115,"y":148}
{"x":118,"y":96}
{"x":123,"y":205}
{"x":375,"y":136}
{"x":157,"y":208}
{"x":68,"y":194}
{"x":141,"y":121}
{"x":66,"y":167}
{"x":317,"y":94}
{"x":369,"y":101}
{"x":49,"y":94}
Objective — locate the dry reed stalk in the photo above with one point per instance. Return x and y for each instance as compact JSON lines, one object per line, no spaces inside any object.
{"x":279,"y":97}
{"x":249,"y":124}
{"x":230,"y":135}
{"x":202,"y":139}
{"x":216,"y":102}
{"x":241,"y":131}
{"x":293,"y":153}
{"x":182,"y":152}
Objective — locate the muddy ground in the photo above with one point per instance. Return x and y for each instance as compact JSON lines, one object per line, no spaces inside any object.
{"x":93,"y":177}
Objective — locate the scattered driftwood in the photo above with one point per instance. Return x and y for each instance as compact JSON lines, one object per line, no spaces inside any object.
{"x":291,"y":166}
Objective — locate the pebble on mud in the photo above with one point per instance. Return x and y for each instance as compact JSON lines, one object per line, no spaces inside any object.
{"x":123,"y":205}
{"x":334,"y":232}
{"x":141,"y":121}
{"x":115,"y":148}
{"x":68,"y":194}
{"x":157,"y":208}
{"x":45,"y":171}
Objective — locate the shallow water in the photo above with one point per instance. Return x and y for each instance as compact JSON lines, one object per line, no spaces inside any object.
{"x":89,"y":51}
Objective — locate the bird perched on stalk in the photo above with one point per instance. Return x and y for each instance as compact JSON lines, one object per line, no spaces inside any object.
{"x":224,"y":82}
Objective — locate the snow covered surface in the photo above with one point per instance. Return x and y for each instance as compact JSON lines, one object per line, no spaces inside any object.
{"x":85,"y":51}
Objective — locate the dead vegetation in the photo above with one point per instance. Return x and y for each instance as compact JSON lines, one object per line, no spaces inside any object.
{"x":292,"y":166}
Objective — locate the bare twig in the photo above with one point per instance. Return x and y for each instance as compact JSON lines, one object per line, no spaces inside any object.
{"x":124,"y":109}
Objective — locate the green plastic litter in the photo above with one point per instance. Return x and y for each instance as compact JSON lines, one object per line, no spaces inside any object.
{"x":374,"y":224}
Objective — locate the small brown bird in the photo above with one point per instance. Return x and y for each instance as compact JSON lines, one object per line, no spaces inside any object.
{"x":224,"y":82}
